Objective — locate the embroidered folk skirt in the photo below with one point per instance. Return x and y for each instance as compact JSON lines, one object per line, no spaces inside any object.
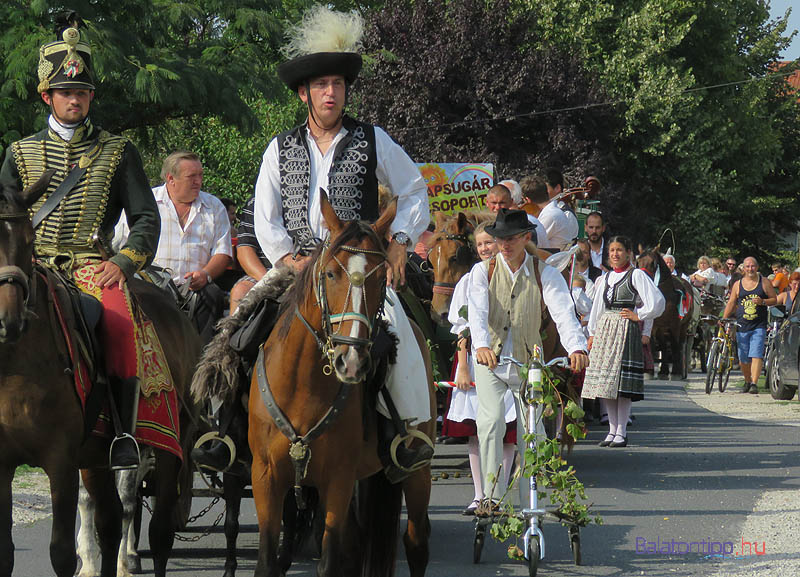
{"x":615,"y":361}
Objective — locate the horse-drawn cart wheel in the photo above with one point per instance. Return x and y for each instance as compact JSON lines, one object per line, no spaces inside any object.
{"x":480,"y":537}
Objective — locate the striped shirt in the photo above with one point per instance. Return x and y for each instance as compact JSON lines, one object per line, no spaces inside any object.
{"x":247,"y":231}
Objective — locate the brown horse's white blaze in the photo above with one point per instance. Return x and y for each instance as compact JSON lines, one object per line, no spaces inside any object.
{"x":351,"y":362}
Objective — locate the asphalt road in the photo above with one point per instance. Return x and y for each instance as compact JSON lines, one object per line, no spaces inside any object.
{"x":687,"y":474}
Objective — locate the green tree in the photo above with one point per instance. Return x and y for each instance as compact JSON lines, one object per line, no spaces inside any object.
{"x":154,"y":60}
{"x":715,"y":164}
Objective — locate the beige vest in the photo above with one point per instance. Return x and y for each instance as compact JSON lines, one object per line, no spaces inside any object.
{"x":515,"y":303}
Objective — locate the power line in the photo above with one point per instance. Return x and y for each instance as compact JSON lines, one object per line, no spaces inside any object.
{"x":587,"y":106}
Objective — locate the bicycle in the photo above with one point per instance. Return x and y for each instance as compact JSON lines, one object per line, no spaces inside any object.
{"x":721,"y":355}
{"x":531,"y":393}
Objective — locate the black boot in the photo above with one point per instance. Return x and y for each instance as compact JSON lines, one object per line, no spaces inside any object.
{"x":124,"y":452}
{"x":214,"y":456}
{"x":408,"y":459}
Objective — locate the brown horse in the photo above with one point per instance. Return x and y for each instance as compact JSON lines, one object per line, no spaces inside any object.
{"x":346,"y":275}
{"x":41,"y":421}
{"x":670,"y":331}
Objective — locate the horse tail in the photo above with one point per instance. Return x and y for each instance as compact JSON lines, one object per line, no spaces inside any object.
{"x":379,"y":504}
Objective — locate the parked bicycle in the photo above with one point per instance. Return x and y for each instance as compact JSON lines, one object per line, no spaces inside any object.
{"x":721,"y":354}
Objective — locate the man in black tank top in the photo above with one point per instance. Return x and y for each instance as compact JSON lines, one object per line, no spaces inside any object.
{"x":750,"y":298}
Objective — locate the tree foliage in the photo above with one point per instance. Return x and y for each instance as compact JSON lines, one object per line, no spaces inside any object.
{"x":153,"y":60}
{"x":464,"y":82}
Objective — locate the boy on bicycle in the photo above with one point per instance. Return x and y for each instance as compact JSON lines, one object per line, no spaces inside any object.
{"x":508,"y":295}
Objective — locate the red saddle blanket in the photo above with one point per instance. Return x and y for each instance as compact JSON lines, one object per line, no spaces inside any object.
{"x":158,"y":420}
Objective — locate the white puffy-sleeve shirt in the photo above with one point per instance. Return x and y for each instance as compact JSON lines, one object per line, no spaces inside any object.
{"x":650,"y":307}
{"x":460,"y":298}
{"x":395,"y":169}
{"x":557,"y":298}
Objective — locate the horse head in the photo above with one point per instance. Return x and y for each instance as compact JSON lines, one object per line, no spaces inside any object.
{"x":16,"y":256}
{"x":350,"y":284}
{"x":452,"y":255}
{"x":653,"y":263}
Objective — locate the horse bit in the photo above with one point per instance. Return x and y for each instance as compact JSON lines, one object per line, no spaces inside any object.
{"x":329,"y":339}
{"x":13,"y":274}
{"x":465,"y":254}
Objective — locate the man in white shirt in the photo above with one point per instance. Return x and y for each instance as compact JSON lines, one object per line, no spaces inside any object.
{"x":555,"y":186}
{"x":195,"y":239}
{"x":347,"y":159}
{"x":500,"y":196}
{"x":504,"y":318}
{"x":595,"y":234}
{"x":560,"y":230}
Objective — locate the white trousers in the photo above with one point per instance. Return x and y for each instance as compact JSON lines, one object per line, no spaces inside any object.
{"x":491,"y":426}
{"x":407,"y":381}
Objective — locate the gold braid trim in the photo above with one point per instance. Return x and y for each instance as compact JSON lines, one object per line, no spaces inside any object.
{"x":139,"y":258}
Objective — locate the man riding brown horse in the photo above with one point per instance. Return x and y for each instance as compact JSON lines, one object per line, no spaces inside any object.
{"x":97,"y":174}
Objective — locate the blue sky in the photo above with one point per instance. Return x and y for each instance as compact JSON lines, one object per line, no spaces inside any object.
{"x":778,"y":9}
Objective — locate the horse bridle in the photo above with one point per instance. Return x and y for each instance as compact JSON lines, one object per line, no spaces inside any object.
{"x":330,"y":338}
{"x":13,"y":274}
{"x":447,"y":288}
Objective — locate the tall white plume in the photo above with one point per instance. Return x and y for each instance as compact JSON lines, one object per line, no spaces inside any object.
{"x":323,"y":30}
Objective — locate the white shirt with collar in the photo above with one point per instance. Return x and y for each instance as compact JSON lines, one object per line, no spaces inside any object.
{"x":561,"y":230}
{"x":207,"y":232}
{"x":597,"y":257}
{"x":650,"y":303}
{"x":557,"y":298}
{"x":394,"y":169}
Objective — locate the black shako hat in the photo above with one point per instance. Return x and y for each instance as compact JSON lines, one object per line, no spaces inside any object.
{"x":324,"y":43}
{"x":65,"y":63}
{"x":510,"y":222}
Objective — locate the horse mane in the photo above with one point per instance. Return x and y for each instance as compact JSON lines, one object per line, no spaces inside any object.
{"x":218,"y":370}
{"x":299,"y":292}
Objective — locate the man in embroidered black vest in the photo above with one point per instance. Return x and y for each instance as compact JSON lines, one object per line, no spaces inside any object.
{"x":110,"y":177}
{"x":348,"y":159}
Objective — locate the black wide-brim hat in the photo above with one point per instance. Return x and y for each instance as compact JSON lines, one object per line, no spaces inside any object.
{"x":510,"y":222}
{"x":296,"y":71}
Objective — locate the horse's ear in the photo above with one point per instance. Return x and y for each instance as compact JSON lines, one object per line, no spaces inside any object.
{"x":381,"y":226}
{"x":35,"y":191}
{"x":462,"y":221}
{"x":439,"y":218}
{"x":331,"y":218}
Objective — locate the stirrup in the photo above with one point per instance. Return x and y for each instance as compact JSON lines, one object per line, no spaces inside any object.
{"x":413,"y":434}
{"x":226,"y":440}
{"x":124,"y":437}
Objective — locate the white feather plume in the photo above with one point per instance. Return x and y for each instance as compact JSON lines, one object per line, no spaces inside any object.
{"x":323,"y":30}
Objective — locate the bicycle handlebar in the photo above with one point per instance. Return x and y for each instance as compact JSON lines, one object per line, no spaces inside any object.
{"x":558,"y":361}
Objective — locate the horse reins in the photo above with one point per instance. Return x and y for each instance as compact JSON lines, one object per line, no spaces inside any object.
{"x":329,"y":338}
{"x":13,"y":274}
{"x":447,"y":288}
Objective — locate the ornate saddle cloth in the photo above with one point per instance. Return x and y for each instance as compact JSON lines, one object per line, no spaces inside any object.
{"x":74,"y":316}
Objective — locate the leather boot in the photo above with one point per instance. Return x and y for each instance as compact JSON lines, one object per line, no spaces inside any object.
{"x":124,"y":452}
{"x":214,"y":456}
{"x":409,"y":459}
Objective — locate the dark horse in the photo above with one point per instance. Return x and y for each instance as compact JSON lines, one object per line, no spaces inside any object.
{"x":346,"y":276}
{"x":670,"y":331}
{"x":41,"y":421}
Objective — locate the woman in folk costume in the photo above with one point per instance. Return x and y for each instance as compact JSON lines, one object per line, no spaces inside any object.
{"x":623,"y":297}
{"x":460,"y":419}
{"x":347,"y":159}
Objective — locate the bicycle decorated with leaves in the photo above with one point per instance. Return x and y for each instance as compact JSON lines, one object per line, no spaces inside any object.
{"x":545,"y":468}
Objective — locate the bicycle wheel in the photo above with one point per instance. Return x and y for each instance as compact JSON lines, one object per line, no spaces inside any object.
{"x":723,"y":368}
{"x":533,"y":555}
{"x":575,"y":544}
{"x":477,"y":545}
{"x":711,"y":366}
